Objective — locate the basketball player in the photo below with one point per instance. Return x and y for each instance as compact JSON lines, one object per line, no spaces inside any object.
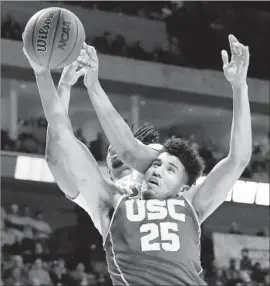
{"x":154,"y":240}
{"x":120,"y":173}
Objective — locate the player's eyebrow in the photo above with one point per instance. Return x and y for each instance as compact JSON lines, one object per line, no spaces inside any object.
{"x":174,"y":166}
{"x":156,"y":161}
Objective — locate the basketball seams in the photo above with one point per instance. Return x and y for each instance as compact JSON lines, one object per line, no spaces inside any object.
{"x":54,"y":36}
{"x":75,"y":43}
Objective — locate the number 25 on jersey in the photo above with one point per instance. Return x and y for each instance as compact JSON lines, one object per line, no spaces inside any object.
{"x":168,"y":236}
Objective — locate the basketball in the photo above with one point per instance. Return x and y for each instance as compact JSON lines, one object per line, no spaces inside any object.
{"x":53,"y":37}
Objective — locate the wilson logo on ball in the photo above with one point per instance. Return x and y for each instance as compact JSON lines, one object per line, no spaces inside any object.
{"x":64,"y":36}
{"x":43,"y":34}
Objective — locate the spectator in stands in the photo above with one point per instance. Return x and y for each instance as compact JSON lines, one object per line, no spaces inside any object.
{"x":14,"y":223}
{"x":13,"y":218}
{"x":59,"y":274}
{"x":245,"y":262}
{"x":231,"y":270}
{"x":39,"y":251}
{"x":36,"y":252}
{"x":257,"y":273}
{"x":234,"y":229}
{"x":27,"y":143}
{"x":16,"y":278}
{"x":218,"y":278}
{"x":92,"y":279}
{"x":259,"y":172}
{"x":28,"y":242}
{"x":266,"y":281}
{"x":79,"y":274}
{"x":15,"y":248}
{"x":245,"y":279}
{"x":6,"y":143}
{"x":38,"y":273}
{"x":26,"y":214}
{"x":16,"y":262}
{"x":234,"y":279}
{"x":6,"y":238}
{"x":42,"y":228}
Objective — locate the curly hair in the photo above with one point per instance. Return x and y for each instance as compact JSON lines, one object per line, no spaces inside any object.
{"x":146,"y":134}
{"x":188,"y":155}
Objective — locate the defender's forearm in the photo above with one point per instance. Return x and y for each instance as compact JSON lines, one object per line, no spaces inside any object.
{"x":114,"y":126}
{"x":241,"y":134}
{"x":53,"y":107}
{"x":52,"y":147}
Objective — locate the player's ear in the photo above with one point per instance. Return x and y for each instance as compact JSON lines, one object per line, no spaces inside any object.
{"x":183,"y":189}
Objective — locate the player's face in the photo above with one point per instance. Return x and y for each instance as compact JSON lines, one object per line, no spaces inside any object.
{"x":164,"y":178}
{"x":116,"y":168}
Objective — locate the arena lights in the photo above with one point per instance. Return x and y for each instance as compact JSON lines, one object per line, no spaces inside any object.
{"x":36,"y":169}
{"x":262,"y":197}
{"x":33,"y":169}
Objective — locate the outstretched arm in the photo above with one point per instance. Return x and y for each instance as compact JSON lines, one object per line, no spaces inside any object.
{"x":68,"y":78}
{"x":83,"y":170}
{"x":214,"y":190}
{"x":130,"y":151}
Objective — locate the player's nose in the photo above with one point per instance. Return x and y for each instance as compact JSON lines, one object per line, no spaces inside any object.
{"x":156,"y":173}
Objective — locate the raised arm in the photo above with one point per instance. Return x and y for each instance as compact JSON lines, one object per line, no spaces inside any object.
{"x":214,"y":190}
{"x":53,"y":151}
{"x":131,"y":152}
{"x":83,"y":170}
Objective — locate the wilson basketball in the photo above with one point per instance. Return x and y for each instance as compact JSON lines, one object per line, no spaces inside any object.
{"x":53,"y":37}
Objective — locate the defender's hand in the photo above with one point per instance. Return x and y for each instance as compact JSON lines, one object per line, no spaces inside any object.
{"x":38,"y":69}
{"x":236,"y":70}
{"x":89,"y":61}
{"x":70,"y":75}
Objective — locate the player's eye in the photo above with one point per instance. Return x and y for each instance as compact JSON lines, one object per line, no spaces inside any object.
{"x":155,"y":164}
{"x":170,"y":169}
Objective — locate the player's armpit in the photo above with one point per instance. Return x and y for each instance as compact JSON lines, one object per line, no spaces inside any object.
{"x":213,"y":191}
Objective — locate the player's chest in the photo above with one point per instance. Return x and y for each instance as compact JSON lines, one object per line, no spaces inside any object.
{"x":155,"y":225}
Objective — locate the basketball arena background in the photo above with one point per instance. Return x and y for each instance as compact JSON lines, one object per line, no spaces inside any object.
{"x":160,"y":64}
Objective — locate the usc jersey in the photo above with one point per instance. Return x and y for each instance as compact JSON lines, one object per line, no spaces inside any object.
{"x":154,"y":242}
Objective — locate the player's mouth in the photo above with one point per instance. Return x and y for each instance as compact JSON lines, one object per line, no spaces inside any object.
{"x":153,"y":181}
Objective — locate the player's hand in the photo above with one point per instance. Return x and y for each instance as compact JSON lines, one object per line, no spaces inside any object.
{"x":236,"y":70}
{"x":38,"y":69}
{"x":89,"y":61}
{"x":70,"y":75}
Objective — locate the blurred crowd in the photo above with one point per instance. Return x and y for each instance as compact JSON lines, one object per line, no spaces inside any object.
{"x":189,"y":25}
{"x":30,"y":258}
{"x":238,"y":271}
{"x":32,"y":139}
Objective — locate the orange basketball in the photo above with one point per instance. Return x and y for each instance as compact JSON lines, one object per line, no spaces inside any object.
{"x":53,"y":37}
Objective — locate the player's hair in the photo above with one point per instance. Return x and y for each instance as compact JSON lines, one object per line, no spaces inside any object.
{"x":146,"y":134}
{"x":188,"y":155}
